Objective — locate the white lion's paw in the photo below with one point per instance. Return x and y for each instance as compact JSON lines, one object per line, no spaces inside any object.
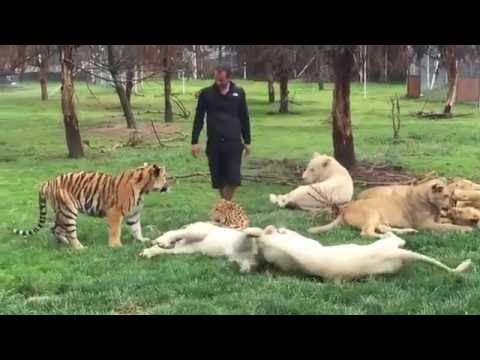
{"x":165,"y":243}
{"x":146,"y":254}
{"x":273,"y":198}
{"x":143,"y":239}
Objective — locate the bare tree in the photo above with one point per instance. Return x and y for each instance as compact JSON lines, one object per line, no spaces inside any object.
{"x":343,"y":65}
{"x":195,"y":52}
{"x":70,"y":119}
{"x":39,"y":56}
{"x":283,"y":66}
{"x":115,"y":63}
{"x":451,"y":56}
{"x":43,"y":65}
{"x":270,"y":81}
{"x":167,"y":81}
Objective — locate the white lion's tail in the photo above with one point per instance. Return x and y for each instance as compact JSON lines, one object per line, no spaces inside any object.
{"x":411,"y":255}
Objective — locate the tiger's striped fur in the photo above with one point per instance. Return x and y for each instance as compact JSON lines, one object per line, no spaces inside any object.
{"x":98,"y":194}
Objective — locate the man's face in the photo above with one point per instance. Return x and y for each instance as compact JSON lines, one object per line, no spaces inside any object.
{"x":221,"y":79}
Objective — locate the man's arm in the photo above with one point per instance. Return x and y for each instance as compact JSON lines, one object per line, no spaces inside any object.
{"x":245,"y":119}
{"x":199,"y":118}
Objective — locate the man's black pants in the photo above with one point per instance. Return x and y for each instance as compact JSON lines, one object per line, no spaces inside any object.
{"x":225,"y":161}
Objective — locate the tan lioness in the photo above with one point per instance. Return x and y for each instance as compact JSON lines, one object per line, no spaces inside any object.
{"x":418,"y":208}
{"x":464,"y":215}
{"x":463,"y":184}
{"x":384,"y":191}
{"x":466,"y":195}
{"x":460,"y":184}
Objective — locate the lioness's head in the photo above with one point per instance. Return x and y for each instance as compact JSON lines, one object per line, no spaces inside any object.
{"x":464,"y":216}
{"x":438,"y":194}
{"x":151,"y":178}
{"x":320,"y":168}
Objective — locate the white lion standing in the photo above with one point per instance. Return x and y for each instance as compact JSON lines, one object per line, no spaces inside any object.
{"x":329,"y":184}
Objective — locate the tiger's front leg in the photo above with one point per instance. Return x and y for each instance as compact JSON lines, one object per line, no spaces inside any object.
{"x":114,"y":220}
{"x":135,"y":227}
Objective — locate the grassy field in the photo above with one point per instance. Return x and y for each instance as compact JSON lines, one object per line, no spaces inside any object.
{"x":37,"y":276}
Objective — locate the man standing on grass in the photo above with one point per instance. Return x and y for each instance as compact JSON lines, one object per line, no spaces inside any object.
{"x":228,"y":131}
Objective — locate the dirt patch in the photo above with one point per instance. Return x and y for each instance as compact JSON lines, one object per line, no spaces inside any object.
{"x":130,"y":309}
{"x":289,"y":171}
{"x":120,"y":133}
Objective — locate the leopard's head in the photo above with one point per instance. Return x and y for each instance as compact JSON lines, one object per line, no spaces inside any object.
{"x":230,"y":214}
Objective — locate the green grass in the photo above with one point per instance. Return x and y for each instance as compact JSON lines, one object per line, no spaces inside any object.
{"x":37,"y":276}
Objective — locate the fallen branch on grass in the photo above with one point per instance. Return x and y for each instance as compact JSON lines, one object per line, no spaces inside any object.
{"x":198,"y":173}
{"x":182,"y":137}
{"x":437,"y":115}
{"x":158,"y":112}
{"x":156,"y":134}
{"x":365,"y":174}
{"x":103,"y":149}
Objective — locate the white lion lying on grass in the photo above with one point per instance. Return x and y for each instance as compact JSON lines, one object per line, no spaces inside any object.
{"x":330,"y":184}
{"x":291,"y":251}
{"x":207,"y":239}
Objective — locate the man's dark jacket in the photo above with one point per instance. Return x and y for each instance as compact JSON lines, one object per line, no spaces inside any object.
{"x":227,"y":115}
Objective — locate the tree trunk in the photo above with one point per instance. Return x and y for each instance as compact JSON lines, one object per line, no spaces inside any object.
{"x":452,"y":64}
{"x":43,"y":74}
{"x":220,"y":53}
{"x":70,"y":119}
{"x":270,"y":82}
{"x":167,"y":81}
{"x":318,"y":63}
{"x":130,"y":81}
{"x":195,"y":62}
{"x":283,"y":94}
{"x":122,"y":95}
{"x":343,"y":145}
{"x":140,"y":77}
{"x":201,"y":63}
{"x":386,"y":64}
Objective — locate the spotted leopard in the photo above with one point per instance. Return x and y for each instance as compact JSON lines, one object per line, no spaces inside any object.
{"x":229,"y":214}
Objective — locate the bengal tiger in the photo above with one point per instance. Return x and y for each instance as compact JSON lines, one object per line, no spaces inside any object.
{"x":100,"y":195}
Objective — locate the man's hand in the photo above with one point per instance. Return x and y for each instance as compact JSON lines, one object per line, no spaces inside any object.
{"x":195,"y":150}
{"x":248,"y":150}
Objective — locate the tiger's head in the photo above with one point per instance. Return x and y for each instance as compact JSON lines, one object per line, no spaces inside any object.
{"x":151,"y":178}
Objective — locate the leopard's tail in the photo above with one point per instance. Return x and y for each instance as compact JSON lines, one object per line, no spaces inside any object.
{"x":42,"y":204}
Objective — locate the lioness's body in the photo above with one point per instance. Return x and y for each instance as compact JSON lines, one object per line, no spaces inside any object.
{"x":460,"y":184}
{"x":384,"y":191}
{"x":417,"y":208}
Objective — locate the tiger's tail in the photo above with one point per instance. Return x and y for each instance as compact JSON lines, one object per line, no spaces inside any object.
{"x":42,"y":204}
